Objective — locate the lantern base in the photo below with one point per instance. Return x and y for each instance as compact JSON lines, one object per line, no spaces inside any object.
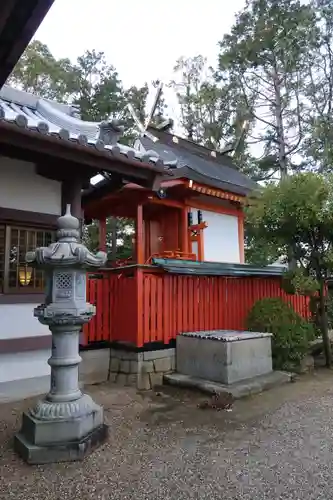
{"x":41,"y":442}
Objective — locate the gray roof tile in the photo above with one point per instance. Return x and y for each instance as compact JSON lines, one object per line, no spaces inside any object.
{"x":196,"y":163}
{"x":48,"y":117}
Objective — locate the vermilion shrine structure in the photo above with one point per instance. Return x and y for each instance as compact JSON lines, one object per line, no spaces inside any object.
{"x":187,"y":271}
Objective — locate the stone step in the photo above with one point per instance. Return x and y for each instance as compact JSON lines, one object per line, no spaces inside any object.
{"x":238,"y":390}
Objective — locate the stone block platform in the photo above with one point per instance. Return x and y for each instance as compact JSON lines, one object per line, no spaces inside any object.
{"x":225,"y":361}
{"x":226,"y":357}
{"x":143,"y":370}
{"x":239,"y":390}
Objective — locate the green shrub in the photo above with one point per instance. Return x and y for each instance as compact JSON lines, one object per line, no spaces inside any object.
{"x":291,"y":333}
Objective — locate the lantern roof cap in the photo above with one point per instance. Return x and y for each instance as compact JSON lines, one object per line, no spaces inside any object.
{"x":68,"y":221}
{"x":67,"y":250}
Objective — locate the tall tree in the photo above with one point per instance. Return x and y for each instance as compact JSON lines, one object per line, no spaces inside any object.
{"x":99,"y":93}
{"x":264,"y":57}
{"x":123,"y":237}
{"x":187,"y":87}
{"x":318,"y":146}
{"x":212,"y":113}
{"x":298,"y":213}
{"x":137,"y":96}
{"x":39,"y":72}
{"x":91,"y":82}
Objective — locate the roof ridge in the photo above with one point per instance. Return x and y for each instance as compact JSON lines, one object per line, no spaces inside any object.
{"x":24,"y":98}
{"x":28,"y":111}
{"x":217,"y":173}
{"x":192,"y":145}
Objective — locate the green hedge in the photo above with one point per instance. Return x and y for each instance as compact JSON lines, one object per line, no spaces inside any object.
{"x":291,"y":333}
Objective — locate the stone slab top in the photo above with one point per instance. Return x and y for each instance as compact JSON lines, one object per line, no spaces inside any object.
{"x":226,"y":335}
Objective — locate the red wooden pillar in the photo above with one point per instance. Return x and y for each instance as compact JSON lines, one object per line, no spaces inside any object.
{"x":139,"y":243}
{"x":184,"y":231}
{"x":139,"y":307}
{"x":102,"y":234}
{"x":195,"y":234}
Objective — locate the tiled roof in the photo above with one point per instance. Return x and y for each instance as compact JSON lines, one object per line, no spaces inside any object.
{"x":198,"y":163}
{"x":215,"y":268}
{"x":55,"y":119}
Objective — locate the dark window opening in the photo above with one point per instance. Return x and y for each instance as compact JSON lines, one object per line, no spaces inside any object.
{"x":16,"y":276}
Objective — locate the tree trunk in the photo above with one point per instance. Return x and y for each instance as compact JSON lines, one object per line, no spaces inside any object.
{"x":324,"y":325}
{"x":279,"y":124}
{"x":280,"y":136}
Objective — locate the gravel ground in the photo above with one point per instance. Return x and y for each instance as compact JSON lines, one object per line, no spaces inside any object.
{"x":277,"y":445}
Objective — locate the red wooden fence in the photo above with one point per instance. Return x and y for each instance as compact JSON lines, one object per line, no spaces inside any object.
{"x":149,"y":306}
{"x":115,"y":298}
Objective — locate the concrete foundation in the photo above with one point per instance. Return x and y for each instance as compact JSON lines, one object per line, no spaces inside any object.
{"x":241,"y":389}
{"x":94,"y":367}
{"x":226,"y":357}
{"x":15,"y":390}
{"x":141,"y":369}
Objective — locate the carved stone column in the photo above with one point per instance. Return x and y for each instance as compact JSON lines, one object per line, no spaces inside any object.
{"x":66,"y":424}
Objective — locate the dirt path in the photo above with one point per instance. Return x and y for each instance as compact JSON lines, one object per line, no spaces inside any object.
{"x":161,"y":446}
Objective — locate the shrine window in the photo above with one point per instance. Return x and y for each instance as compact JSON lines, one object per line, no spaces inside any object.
{"x":16,"y":276}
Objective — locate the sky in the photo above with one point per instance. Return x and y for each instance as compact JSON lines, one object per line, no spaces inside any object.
{"x":141,"y":39}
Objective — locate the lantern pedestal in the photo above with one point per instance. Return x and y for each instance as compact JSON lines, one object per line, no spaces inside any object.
{"x":67,"y":424}
{"x":41,"y":442}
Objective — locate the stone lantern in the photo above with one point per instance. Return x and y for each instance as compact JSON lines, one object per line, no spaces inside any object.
{"x":66,"y":424}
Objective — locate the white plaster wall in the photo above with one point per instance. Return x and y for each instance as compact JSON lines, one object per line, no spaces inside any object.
{"x":195,"y":248}
{"x":24,"y":365}
{"x":220,"y":237}
{"x":17,"y":320}
{"x":23,"y":189}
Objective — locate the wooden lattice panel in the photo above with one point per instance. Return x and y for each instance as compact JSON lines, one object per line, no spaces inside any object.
{"x":23,"y":240}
